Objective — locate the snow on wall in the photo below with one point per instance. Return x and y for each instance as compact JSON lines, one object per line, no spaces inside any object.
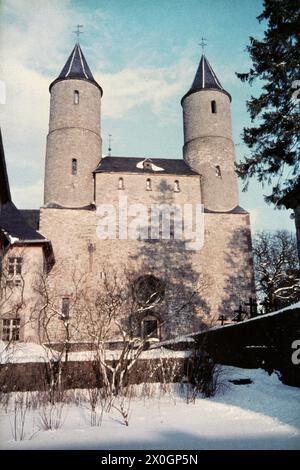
{"x":18,"y":353}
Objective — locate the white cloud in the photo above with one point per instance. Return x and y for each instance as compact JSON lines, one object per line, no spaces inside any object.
{"x":133,"y":87}
{"x":33,"y":50}
{"x":31,"y":33}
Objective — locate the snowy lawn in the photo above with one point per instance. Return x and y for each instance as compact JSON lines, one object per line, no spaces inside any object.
{"x":262,"y":415}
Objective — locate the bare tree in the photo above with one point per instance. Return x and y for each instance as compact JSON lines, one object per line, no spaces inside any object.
{"x":52,"y":318}
{"x":105,"y":313}
{"x":276,"y":268}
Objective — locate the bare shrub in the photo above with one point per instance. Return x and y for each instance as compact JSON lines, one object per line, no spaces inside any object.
{"x":51,"y":416}
{"x":204,"y":376}
{"x":123,"y":408}
{"x":169,"y":374}
{"x":95,"y":399}
{"x":21,"y":406}
{"x":4,"y":400}
{"x":148,"y":390}
{"x":50,"y":412}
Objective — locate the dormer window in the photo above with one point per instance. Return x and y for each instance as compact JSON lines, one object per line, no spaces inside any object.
{"x":147,"y":165}
{"x":76,"y":97}
{"x":218,"y":171}
{"x":121,"y":183}
{"x":213,"y":107}
{"x":176,"y":186}
{"x":148,"y":185}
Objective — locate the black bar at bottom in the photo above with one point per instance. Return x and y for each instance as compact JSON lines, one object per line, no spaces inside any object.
{"x":135,"y":458}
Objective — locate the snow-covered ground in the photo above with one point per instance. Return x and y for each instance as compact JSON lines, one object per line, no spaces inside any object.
{"x":262,"y":415}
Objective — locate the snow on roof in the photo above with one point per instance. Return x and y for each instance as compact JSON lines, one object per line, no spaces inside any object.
{"x":290,"y":307}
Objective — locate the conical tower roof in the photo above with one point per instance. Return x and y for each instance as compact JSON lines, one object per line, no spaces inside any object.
{"x":205,"y":79}
{"x":76,"y":68}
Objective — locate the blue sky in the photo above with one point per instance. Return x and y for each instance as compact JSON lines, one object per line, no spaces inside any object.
{"x":144,"y":53}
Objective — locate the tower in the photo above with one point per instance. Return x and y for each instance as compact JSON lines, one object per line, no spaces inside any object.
{"x":74,"y":139}
{"x":208,"y":146}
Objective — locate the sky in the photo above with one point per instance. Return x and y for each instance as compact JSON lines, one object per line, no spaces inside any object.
{"x":144,"y":54}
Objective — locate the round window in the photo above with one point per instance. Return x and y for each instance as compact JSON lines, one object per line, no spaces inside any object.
{"x":149,"y":290}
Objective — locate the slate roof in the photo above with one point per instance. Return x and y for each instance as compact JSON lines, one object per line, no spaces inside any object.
{"x":4,"y":184}
{"x":129,"y":165}
{"x":13,"y":223}
{"x":32,"y":217}
{"x":76,"y":68}
{"x":205,"y":79}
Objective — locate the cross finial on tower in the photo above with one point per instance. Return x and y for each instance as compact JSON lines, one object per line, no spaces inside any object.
{"x":203,"y":44}
{"x":78,"y":32}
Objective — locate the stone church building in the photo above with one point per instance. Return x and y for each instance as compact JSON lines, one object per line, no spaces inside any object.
{"x":154,"y":285}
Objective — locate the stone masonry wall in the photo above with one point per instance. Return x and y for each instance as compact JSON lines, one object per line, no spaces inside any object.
{"x":74,"y":133}
{"x":209,"y":149}
{"x":20,"y":300}
{"x":221,"y":271}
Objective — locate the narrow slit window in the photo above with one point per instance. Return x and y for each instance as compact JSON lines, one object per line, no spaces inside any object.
{"x":176,"y":186}
{"x":213,"y":107}
{"x":121,"y":183}
{"x":65,"y":309}
{"x":218,"y":171}
{"x":172,"y":227}
{"x":148,"y":185}
{"x":74,"y":166}
{"x":76,"y":97}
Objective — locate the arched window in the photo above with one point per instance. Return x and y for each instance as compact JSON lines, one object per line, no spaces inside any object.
{"x":76,"y":97}
{"x":148,"y":185}
{"x":74,"y":166}
{"x":150,"y":327}
{"x":121,"y":183}
{"x":176,"y":186}
{"x":218,"y":171}
{"x":172,"y":227}
{"x":148,"y":290}
{"x":213,"y":107}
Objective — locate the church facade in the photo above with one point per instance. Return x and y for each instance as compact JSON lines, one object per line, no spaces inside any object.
{"x":175,"y":289}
